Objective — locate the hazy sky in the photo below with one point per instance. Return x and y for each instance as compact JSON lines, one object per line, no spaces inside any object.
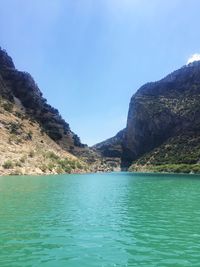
{"x":89,"y":56}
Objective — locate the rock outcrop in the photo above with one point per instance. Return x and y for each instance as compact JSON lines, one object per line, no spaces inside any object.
{"x":21,"y":86}
{"x":35,"y":139}
{"x":160,"y":115}
{"x":163,"y":128}
{"x":112,"y":147}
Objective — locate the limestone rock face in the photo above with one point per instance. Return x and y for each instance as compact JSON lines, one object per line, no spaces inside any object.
{"x":19,"y":85}
{"x":160,"y":111}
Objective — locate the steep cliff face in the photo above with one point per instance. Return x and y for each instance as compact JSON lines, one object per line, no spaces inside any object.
{"x":34,"y":137}
{"x":164,"y":109}
{"x":20,"y":87}
{"x":160,"y":112}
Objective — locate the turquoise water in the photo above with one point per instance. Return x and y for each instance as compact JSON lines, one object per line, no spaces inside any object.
{"x":116,"y":219}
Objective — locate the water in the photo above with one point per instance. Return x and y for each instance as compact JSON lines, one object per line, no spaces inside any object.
{"x":117,"y":219}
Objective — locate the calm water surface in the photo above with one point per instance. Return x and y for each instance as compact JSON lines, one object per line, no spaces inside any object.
{"x":116,"y":219}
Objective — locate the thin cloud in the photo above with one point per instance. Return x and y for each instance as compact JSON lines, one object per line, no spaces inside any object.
{"x":194,"y":57}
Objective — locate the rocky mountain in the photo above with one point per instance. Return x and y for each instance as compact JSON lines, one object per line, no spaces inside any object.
{"x":162,"y":131}
{"x":35,"y":139}
{"x":163,"y":125}
{"x":19,"y":87}
{"x":112,"y":147}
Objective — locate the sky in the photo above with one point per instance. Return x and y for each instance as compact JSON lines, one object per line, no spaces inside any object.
{"x":89,"y":57}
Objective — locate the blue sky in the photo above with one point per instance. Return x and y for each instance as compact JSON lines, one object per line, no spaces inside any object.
{"x":89,"y":56}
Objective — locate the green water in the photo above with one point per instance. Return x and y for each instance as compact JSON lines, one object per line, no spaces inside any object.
{"x":117,"y":219}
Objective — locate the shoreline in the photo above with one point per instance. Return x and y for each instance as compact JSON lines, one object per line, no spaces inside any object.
{"x":166,"y":168}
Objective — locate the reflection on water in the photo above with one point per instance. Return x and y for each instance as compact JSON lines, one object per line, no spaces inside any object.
{"x":117,"y":219}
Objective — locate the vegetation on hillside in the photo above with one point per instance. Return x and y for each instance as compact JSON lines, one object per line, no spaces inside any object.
{"x":26,"y":149}
{"x":178,"y":154}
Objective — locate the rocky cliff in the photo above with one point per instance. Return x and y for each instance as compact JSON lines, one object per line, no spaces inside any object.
{"x":20,"y":87}
{"x":163,"y":125}
{"x":34,"y":137}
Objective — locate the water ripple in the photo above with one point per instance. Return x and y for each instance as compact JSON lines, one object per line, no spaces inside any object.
{"x":100,"y":220}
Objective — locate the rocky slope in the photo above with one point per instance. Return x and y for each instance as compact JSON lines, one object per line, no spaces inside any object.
{"x":111,"y":147}
{"x":26,"y":149}
{"x":20,"y":87}
{"x":34,"y":137}
{"x":163,"y":125}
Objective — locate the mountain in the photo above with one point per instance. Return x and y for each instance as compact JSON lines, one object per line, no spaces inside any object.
{"x":34,"y":137}
{"x":163,"y":125}
{"x":111,"y":147}
{"x":162,"y":131}
{"x":20,"y":87}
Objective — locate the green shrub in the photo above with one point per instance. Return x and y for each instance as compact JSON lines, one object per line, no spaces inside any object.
{"x":8,"y":106}
{"x":8,"y":164}
{"x":52,"y":155}
{"x":50,"y":166}
{"x":15,"y":128}
{"x":67,"y":169}
{"x":59,"y":170}
{"x":65,"y":165}
{"x":177,"y":168}
{"x":79,"y":165}
{"x":19,"y":115}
